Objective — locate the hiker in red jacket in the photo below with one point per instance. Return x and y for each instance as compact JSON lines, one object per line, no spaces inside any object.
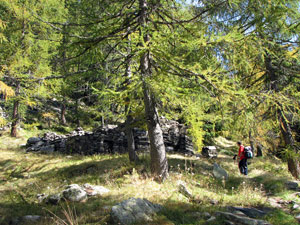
{"x":243,"y":160}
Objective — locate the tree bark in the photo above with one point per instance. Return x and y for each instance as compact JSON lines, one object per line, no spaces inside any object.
{"x":159,"y":163}
{"x":293,"y":163}
{"x":77,"y":112}
{"x":259,"y":150}
{"x":63,"y":120}
{"x":15,"y":114}
{"x":133,"y":157}
{"x":251,"y":140}
{"x":286,"y":131}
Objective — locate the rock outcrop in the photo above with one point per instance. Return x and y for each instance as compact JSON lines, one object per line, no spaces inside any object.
{"x":134,"y":211}
{"x":210,"y":152}
{"x":110,"y":139}
{"x":73,"y":193}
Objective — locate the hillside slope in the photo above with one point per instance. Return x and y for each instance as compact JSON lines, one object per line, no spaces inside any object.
{"x":23,"y":176}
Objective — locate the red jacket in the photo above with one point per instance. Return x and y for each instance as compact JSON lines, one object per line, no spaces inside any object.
{"x":241,"y":152}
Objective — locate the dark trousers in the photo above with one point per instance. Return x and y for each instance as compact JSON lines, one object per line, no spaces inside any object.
{"x":243,"y":166}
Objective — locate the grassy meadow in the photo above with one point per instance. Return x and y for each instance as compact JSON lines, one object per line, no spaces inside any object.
{"x":24,"y":175}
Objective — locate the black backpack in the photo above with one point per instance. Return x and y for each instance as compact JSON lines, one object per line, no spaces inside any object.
{"x":248,"y":152}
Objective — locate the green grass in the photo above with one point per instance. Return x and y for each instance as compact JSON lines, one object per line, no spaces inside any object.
{"x":24,"y":175}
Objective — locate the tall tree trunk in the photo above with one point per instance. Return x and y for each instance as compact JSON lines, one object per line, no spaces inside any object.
{"x":293,"y":162}
{"x":130,"y":140}
{"x":15,"y":114}
{"x":159,"y":163}
{"x":251,"y":140}
{"x":259,"y":148}
{"x":133,"y":157}
{"x":63,"y":120}
{"x":77,"y":112}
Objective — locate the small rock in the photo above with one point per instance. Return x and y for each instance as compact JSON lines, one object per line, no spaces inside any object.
{"x":183,"y":190}
{"x":214,"y":202}
{"x":31,"y":218}
{"x":92,"y":190}
{"x":74,"y":193}
{"x":219,"y":172}
{"x":295,"y":206}
{"x":210,"y":152}
{"x":211,"y":219}
{"x":206,"y":215}
{"x":134,"y":211}
{"x":292,"y":185}
{"x":54,"y":199}
{"x":41,"y":197}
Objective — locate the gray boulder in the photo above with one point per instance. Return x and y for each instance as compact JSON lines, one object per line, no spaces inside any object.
{"x":33,"y":140}
{"x":183,"y":190}
{"x":250,"y":212}
{"x":241,"y":220}
{"x":47,"y":149}
{"x":133,"y":211}
{"x":74,"y":193}
{"x":219,"y":172}
{"x":210,"y":152}
{"x":29,"y":219}
{"x":292,"y":185}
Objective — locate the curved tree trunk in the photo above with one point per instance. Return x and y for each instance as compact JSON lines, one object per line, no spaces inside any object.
{"x":293,"y":163}
{"x":159,"y":163}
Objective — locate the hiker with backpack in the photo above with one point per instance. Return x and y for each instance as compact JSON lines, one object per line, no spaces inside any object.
{"x":244,"y":154}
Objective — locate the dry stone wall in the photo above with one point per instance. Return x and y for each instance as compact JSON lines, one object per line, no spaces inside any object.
{"x":111,"y":139}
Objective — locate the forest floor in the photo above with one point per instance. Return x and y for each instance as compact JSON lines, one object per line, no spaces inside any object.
{"x":25,"y":175}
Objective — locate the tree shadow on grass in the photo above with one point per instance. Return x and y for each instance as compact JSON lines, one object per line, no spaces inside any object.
{"x":92,"y":211}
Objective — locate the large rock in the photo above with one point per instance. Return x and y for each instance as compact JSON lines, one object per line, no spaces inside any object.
{"x":240,"y":220}
{"x":33,"y":140}
{"x":210,"y":152}
{"x":219,"y":172}
{"x":134,"y":211}
{"x":74,"y":193}
{"x":251,"y":212}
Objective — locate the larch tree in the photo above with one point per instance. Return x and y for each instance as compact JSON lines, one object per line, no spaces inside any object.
{"x":265,"y":66}
{"x":154,"y":29}
{"x":26,"y":53}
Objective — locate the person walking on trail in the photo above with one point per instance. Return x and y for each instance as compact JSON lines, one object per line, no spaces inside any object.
{"x":243,"y":159}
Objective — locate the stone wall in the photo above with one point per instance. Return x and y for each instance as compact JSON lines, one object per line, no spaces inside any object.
{"x":111,"y":139}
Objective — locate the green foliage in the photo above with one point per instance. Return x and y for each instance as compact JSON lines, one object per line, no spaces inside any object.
{"x":279,"y":217}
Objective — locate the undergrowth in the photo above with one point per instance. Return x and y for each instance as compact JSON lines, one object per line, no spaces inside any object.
{"x":24,"y":175}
